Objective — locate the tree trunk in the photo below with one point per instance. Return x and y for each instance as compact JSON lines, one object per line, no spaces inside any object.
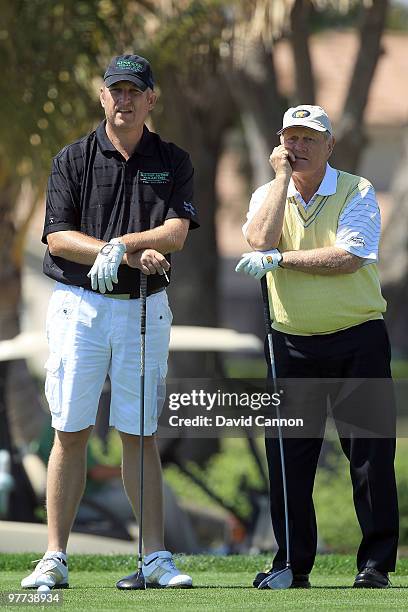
{"x":10,"y":274}
{"x":191,"y":120}
{"x":252,"y":81}
{"x":349,"y":133}
{"x":299,"y":39}
{"x":15,"y":430}
{"x":21,"y":392}
{"x":394,"y":258}
{"x":196,"y":120}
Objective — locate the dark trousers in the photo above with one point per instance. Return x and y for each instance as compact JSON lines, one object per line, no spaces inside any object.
{"x":359,"y":352}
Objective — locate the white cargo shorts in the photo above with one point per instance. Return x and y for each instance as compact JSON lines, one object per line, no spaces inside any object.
{"x":91,"y":336}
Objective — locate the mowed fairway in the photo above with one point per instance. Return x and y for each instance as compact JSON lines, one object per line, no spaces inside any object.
{"x":221,"y":583}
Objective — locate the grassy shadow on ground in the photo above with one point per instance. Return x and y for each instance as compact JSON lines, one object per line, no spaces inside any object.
{"x":220,"y":583}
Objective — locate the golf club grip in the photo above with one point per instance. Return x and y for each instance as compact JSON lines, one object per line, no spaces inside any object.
{"x":143,"y":295}
{"x":268,"y":328}
{"x":265,"y":300}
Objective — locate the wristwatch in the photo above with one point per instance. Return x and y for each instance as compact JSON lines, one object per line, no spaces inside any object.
{"x":280,"y":258}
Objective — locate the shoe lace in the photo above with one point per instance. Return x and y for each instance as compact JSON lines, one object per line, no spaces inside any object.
{"x":44,"y":564}
{"x":170,"y":561}
{"x":171,"y":564}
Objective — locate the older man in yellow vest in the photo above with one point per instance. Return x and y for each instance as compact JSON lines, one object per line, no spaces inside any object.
{"x":315,"y":233}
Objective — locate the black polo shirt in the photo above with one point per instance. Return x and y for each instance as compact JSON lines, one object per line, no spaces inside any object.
{"x":94,"y":190}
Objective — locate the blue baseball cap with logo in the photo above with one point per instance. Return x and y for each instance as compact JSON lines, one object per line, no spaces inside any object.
{"x":306,"y":115}
{"x":132,"y":68}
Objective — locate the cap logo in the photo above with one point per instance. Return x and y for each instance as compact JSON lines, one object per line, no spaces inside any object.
{"x":129,"y":65}
{"x":300,"y":114}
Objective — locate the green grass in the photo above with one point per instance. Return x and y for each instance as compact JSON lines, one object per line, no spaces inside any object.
{"x":221,"y":583}
{"x":254,"y":367}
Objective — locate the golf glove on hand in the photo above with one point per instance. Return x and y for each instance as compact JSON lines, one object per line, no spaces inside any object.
{"x":258,"y":263}
{"x":104,"y":272}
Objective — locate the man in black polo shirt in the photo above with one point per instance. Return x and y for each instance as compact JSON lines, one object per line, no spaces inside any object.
{"x":118,"y":202}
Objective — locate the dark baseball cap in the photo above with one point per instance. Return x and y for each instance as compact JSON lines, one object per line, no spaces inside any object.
{"x":132,"y":68}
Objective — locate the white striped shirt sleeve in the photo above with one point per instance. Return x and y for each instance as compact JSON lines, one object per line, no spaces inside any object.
{"x":359,"y":227}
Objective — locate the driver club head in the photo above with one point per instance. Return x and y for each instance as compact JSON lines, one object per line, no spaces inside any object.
{"x":281,"y":579}
{"x":134,"y":582}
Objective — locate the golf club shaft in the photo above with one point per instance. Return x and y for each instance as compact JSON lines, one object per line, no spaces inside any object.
{"x":143,"y":295}
{"x":268,"y":327}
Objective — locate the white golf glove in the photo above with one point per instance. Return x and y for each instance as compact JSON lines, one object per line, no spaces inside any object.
{"x":104,"y":272}
{"x":258,"y":263}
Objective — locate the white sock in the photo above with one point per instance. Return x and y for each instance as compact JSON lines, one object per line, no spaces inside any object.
{"x":57,"y":553}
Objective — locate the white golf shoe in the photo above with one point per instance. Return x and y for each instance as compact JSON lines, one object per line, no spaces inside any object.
{"x":51,"y":570}
{"x":160,"y":571}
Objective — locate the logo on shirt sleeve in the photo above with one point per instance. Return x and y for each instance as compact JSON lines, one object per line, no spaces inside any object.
{"x":188,"y":207}
{"x":356,"y":241}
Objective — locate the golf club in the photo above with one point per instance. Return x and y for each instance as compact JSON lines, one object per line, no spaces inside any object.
{"x":137,"y":581}
{"x":281,"y":579}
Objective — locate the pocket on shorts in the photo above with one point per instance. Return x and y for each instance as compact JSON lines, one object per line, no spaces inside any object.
{"x":61,"y":309}
{"x":160,"y":309}
{"x":62,"y":305}
{"x":53,"y":366}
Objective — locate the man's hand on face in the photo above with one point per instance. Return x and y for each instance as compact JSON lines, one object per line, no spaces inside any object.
{"x":148,"y":261}
{"x":104,"y":272}
{"x":280,"y":160}
{"x":258,"y":263}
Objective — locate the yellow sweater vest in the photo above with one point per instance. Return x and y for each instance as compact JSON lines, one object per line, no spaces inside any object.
{"x":307,"y":304}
